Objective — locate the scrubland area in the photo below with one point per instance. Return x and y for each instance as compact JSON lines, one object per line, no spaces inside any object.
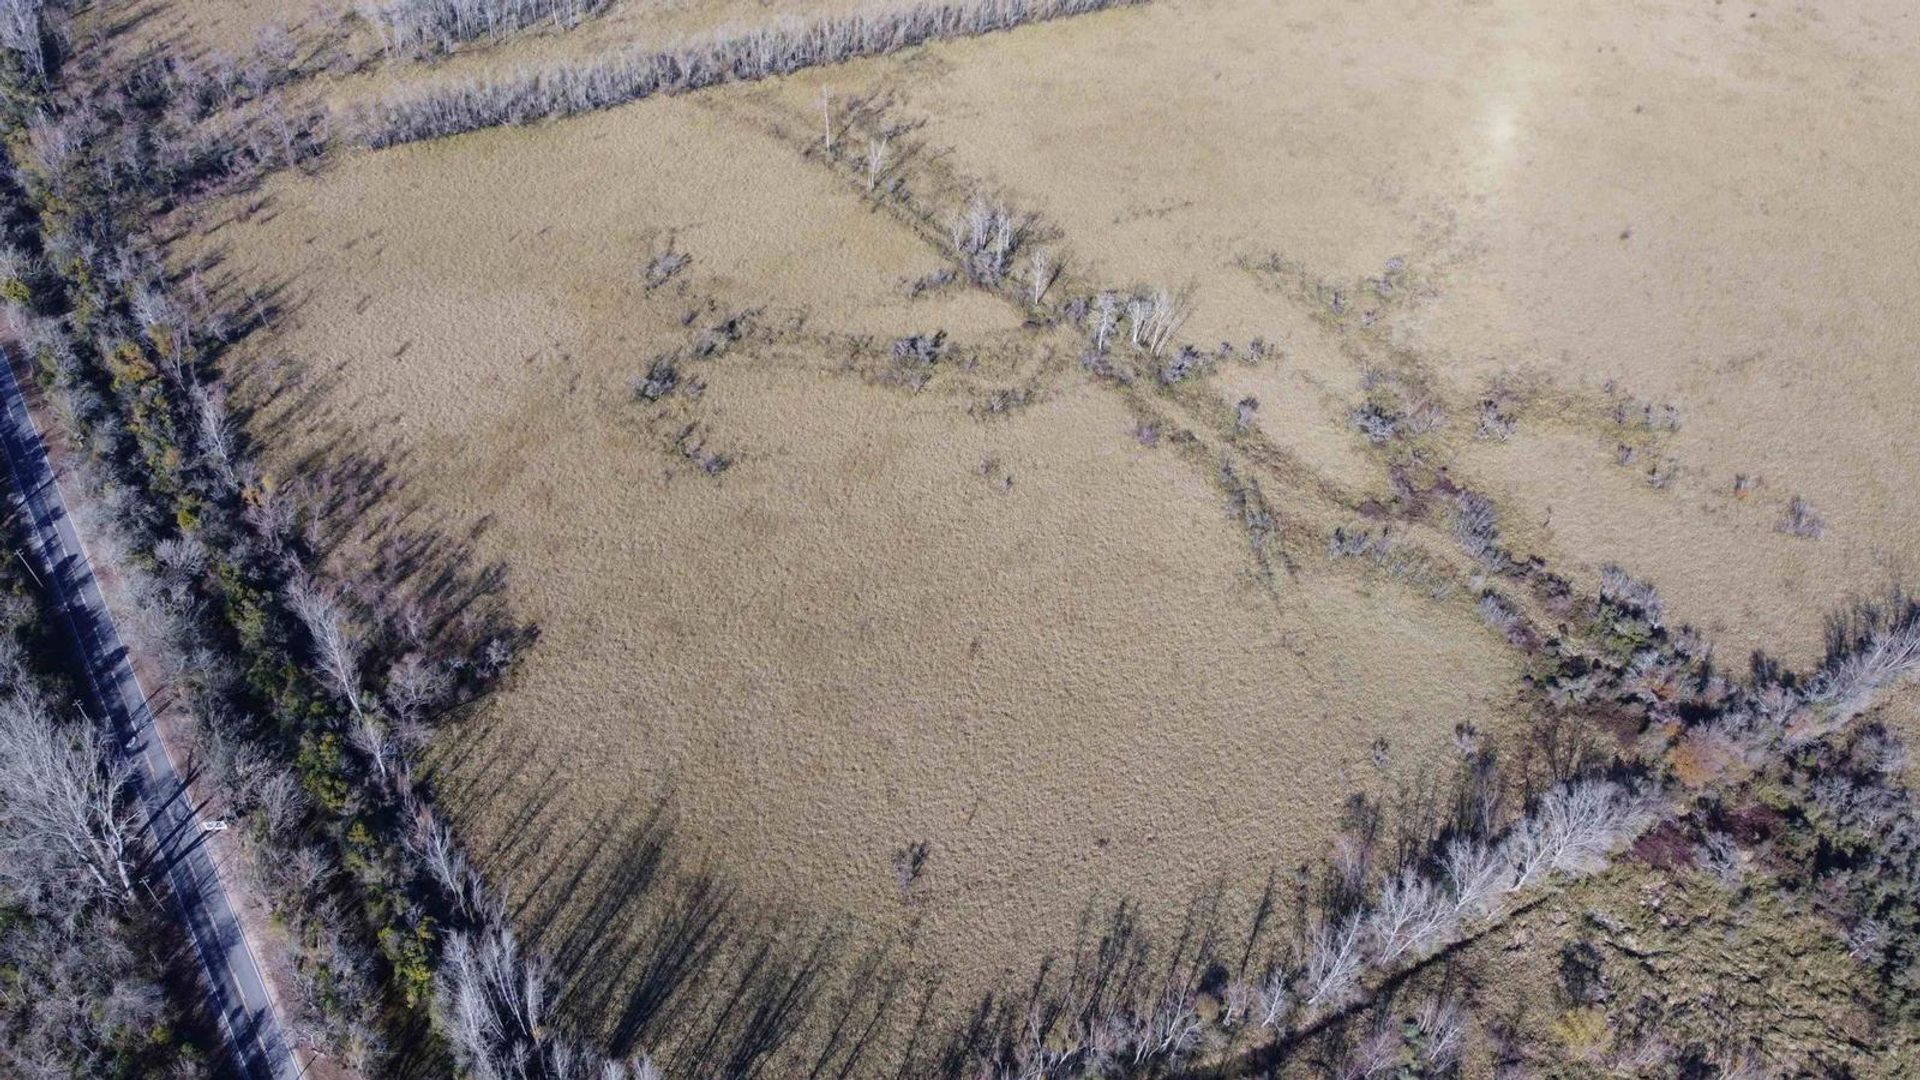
{"x":1042,"y":540}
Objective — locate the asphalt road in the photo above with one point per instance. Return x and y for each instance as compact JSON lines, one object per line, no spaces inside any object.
{"x":233,"y":973}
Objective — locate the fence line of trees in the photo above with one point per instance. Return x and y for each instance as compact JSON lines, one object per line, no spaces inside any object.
{"x":571,"y":88}
{"x":440,"y":25}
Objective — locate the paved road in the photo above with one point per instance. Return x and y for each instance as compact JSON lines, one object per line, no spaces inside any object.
{"x":233,"y":973}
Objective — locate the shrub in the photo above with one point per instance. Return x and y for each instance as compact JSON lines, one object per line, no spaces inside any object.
{"x":1185,"y":365}
{"x":661,"y":379}
{"x":920,"y":350}
{"x":1477,"y":527}
{"x":1244,"y":414}
{"x":1801,"y":520}
{"x":1493,"y":423}
{"x":1374,"y":422}
{"x":664,"y":265}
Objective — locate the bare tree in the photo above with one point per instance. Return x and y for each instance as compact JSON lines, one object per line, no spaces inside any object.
{"x":1105,"y":315}
{"x":370,"y":735}
{"x":1573,"y":831}
{"x":493,"y":1004}
{"x":433,"y":842}
{"x":439,"y":25}
{"x":216,"y":436}
{"x":1171,"y":1030}
{"x":876,"y":161}
{"x":1156,"y":318}
{"x":68,"y":833}
{"x":1276,"y":1000}
{"x":273,"y":516}
{"x":1443,"y":1022}
{"x":21,"y":31}
{"x":1334,"y":963}
{"x":1619,"y":588}
{"x":985,"y":238}
{"x":1040,"y":273}
{"x":415,"y":688}
{"x":570,"y":88}
{"x":1377,"y":1052}
{"x":337,"y":646}
{"x":1476,"y":874}
{"x":1884,"y":650}
{"x":1412,"y":917}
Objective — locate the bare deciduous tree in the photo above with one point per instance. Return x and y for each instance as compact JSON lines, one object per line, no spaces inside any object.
{"x":985,"y":238}
{"x":1476,"y":875}
{"x":216,"y":436}
{"x":1334,"y":963}
{"x":1411,"y":918}
{"x":68,"y":834}
{"x":1040,"y":274}
{"x":1106,"y":313}
{"x":336,"y":644}
{"x":1171,"y":1030}
{"x":409,"y":25}
{"x":1573,"y":831}
{"x":21,"y":31}
{"x":371,"y":735}
{"x":1276,"y":1000}
{"x":876,"y":161}
{"x":493,"y":1004}
{"x":1883,"y":650}
{"x":1156,"y":318}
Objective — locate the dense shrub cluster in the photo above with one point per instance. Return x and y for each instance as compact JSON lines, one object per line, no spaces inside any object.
{"x":1853,"y":841}
{"x":744,"y":55}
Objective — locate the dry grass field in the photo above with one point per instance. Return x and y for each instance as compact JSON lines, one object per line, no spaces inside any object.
{"x":1653,"y":196}
{"x":812,"y":603}
{"x":1026,"y":639}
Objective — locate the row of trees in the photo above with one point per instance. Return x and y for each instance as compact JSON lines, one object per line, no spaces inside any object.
{"x":85,"y":950}
{"x":313,"y":697}
{"x":780,"y":49}
{"x":414,"y":26}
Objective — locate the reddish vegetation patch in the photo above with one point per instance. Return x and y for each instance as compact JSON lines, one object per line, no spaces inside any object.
{"x":1751,"y":824}
{"x":1664,"y":848}
{"x":1623,"y":722}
